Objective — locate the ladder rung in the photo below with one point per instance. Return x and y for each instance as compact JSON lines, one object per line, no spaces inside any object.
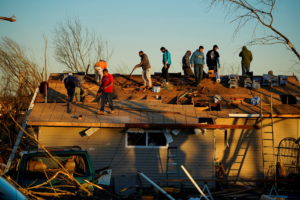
{"x":172,"y":172}
{"x":268,"y":146}
{"x":268,"y":154}
{"x":173,"y":163}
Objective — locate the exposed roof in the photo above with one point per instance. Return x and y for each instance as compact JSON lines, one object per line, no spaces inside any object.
{"x":137,"y":106}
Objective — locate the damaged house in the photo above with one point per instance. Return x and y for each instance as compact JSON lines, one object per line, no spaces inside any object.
{"x":156,"y":131}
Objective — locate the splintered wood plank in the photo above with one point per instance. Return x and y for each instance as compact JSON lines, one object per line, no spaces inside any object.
{"x":201,"y":113}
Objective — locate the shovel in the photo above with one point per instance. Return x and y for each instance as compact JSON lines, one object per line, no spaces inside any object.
{"x":124,"y":84}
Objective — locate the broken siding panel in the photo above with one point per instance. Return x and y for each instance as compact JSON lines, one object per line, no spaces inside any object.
{"x":107,"y":147}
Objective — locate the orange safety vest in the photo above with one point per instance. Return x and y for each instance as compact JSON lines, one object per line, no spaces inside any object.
{"x":101,"y":64}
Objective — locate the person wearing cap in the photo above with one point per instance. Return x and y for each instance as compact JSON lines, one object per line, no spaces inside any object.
{"x":198,"y":61}
{"x":166,"y":63}
{"x":213,"y":59}
{"x":145,"y":65}
{"x":106,"y":88}
{"x":186,"y":65}
{"x":246,"y":56}
{"x":99,"y":67}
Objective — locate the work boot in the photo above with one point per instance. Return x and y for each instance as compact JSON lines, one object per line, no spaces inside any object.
{"x":101,"y":112}
{"x":111,"y":112}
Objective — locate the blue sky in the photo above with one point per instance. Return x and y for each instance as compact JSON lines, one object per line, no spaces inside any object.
{"x":132,"y":25}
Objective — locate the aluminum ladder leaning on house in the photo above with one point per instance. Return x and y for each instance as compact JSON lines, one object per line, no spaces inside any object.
{"x":21,"y":132}
{"x":172,"y":168}
{"x":267,"y":135}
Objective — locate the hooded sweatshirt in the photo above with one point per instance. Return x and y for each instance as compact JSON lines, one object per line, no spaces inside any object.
{"x":246,"y":56}
{"x":167,"y":57}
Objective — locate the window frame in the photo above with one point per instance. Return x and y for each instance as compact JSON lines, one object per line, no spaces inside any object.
{"x":146,"y":131}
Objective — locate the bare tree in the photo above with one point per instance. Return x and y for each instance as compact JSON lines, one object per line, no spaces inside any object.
{"x":260,"y":12}
{"x":76,"y":46}
{"x":19,"y":73}
{"x":19,"y":78}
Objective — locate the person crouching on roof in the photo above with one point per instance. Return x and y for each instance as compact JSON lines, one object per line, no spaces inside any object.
{"x":70,"y":82}
{"x":99,"y":67}
{"x":106,"y":89}
{"x":146,"y":74}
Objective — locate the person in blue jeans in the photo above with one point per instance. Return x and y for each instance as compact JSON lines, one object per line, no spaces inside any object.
{"x":166,"y":63}
{"x":198,"y":62}
{"x":106,"y":89}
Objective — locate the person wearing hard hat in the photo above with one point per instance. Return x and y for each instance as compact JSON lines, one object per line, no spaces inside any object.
{"x":99,"y":67}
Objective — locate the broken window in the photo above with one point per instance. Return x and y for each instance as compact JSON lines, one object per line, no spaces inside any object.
{"x":146,"y":138}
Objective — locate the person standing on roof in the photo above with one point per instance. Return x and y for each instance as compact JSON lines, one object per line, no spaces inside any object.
{"x":186,"y":65}
{"x":213,"y":59}
{"x":99,"y":67}
{"x":146,"y":74}
{"x":70,"y":82}
{"x":198,"y":62}
{"x":166,"y":63}
{"x":106,"y":89}
{"x":246,"y":56}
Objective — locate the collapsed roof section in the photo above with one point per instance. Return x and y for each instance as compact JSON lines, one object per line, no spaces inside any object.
{"x":179,"y":102}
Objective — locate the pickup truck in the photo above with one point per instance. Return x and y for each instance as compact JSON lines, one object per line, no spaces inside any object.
{"x":35,"y":167}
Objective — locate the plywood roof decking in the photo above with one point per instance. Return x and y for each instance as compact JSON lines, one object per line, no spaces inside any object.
{"x":134,"y":112}
{"x":126,"y":112}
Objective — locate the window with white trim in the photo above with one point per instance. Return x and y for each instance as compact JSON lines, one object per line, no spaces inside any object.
{"x":140,"y":138}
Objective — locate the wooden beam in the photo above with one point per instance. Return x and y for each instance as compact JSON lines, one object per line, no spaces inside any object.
{"x":206,"y":126}
{"x":140,"y":125}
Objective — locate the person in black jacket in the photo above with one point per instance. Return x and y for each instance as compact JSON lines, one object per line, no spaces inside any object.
{"x":70,"y":82}
{"x":186,"y":65}
{"x":213,"y":59}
